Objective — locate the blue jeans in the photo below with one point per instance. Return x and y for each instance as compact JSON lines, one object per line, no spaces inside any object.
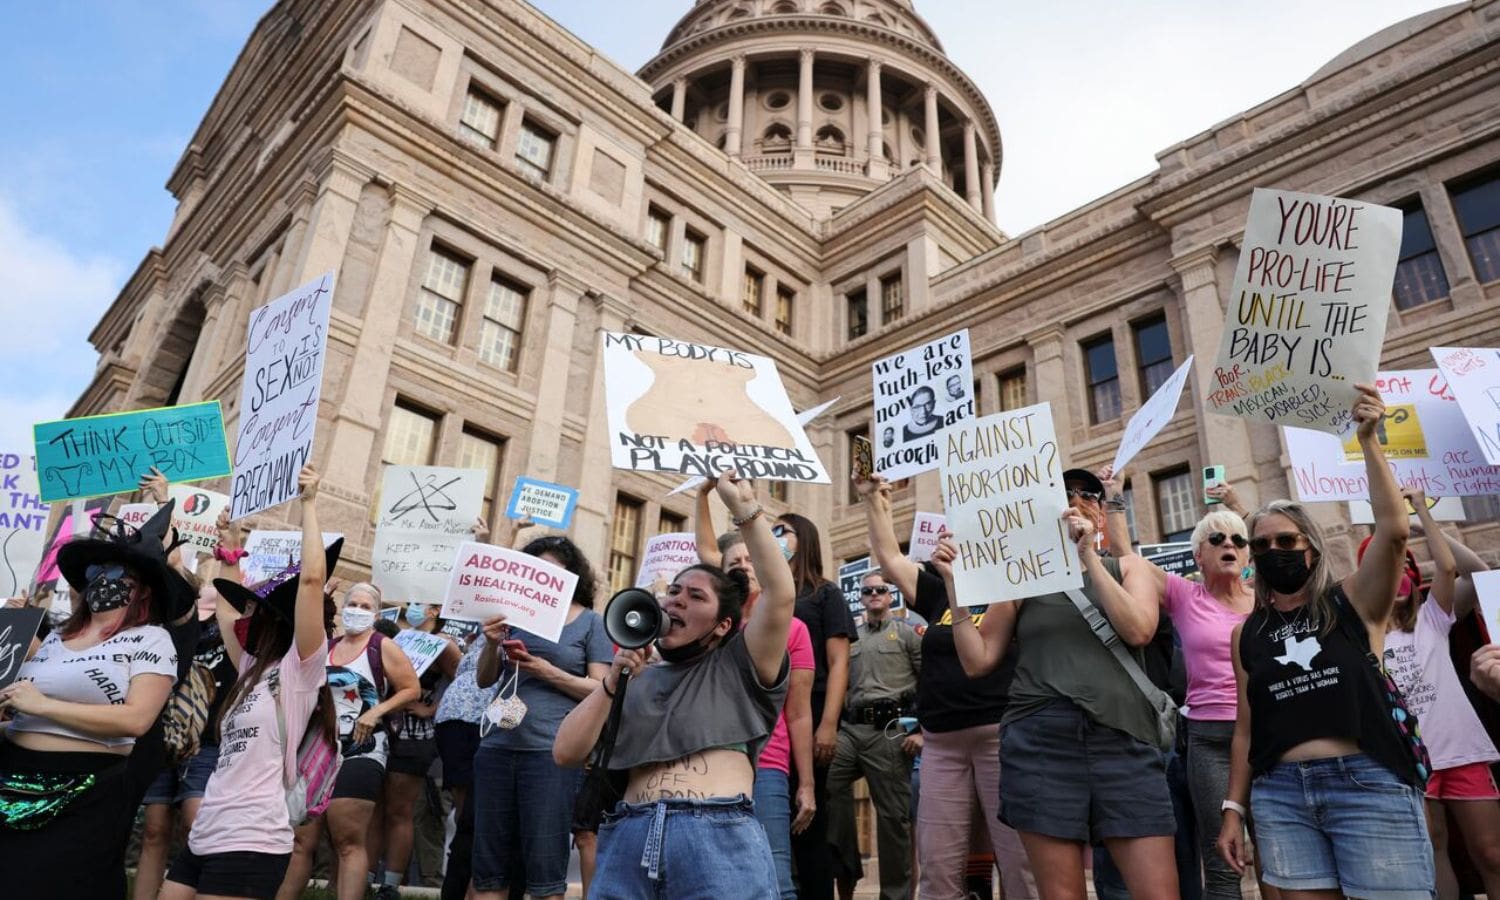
{"x":1344,"y":823}
{"x":523,"y":816}
{"x":1109,"y":883}
{"x":683,"y":850}
{"x":773,"y":809}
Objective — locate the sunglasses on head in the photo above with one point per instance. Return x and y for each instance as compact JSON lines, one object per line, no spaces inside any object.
{"x":1219,"y":537}
{"x":780,"y":530}
{"x":874,"y":591}
{"x":1084,"y":494}
{"x":111,"y":571}
{"x":1286,"y":540}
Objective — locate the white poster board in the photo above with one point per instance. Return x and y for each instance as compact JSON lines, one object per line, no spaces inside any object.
{"x":666,"y":555}
{"x":1307,"y":310}
{"x":691,"y":409}
{"x":1474,"y":376}
{"x":1427,"y":443}
{"x":530,"y":592}
{"x":1152,"y":417}
{"x":1487,"y":586}
{"x":196,"y":516}
{"x":1004,"y":494}
{"x":270,"y":552}
{"x":804,"y":418}
{"x":421,"y":648}
{"x":136,"y":514}
{"x":278,"y":412}
{"x":925,"y":528}
{"x":1443,"y":509}
{"x":23,"y":522}
{"x":425,"y":512}
{"x":918,"y":394}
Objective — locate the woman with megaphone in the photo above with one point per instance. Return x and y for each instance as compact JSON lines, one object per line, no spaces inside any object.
{"x":691,"y":729}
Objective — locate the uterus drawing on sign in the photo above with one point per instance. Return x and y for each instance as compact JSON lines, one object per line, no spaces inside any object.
{"x":691,"y":400}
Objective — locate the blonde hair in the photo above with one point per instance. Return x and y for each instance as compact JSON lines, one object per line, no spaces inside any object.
{"x":1320,"y":581}
{"x":1222,"y":521}
{"x":366,"y":588}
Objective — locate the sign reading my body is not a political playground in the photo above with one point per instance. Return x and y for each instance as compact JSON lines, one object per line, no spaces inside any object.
{"x":919,"y":393}
{"x":95,"y":456}
{"x":692,"y":409}
{"x":530,"y":592}
{"x":1003,"y":489}
{"x":284,"y":356}
{"x":425,"y":512}
{"x":1474,"y":376}
{"x":1307,"y":310}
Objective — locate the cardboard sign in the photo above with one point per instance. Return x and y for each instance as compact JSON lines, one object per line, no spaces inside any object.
{"x":925,"y":528}
{"x":23,"y":522}
{"x":1487,"y":586}
{"x":421,"y":648}
{"x":270,"y":552}
{"x":95,"y":456}
{"x":530,"y":592}
{"x":17,"y":628}
{"x":666,"y":555}
{"x":1174,"y":559}
{"x":693,"y":409}
{"x":389,"y":614}
{"x":1431,"y":446}
{"x":1474,"y":376}
{"x":546,"y":503}
{"x":1443,"y":509}
{"x":1307,"y":310}
{"x":425,"y":512}
{"x":74,"y":523}
{"x":136,"y":514}
{"x":1003,"y":490}
{"x":284,"y":355}
{"x":803,"y":418}
{"x":1152,"y":417}
{"x":196,"y":516}
{"x":918,"y":394}
{"x":850,"y":575}
{"x":459,"y":629}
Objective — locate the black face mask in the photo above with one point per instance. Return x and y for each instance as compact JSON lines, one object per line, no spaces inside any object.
{"x":1284,"y":571}
{"x":104,"y":594}
{"x":688,"y":652}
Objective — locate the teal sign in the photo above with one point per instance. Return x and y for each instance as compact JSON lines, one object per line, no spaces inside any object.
{"x":109,"y":454}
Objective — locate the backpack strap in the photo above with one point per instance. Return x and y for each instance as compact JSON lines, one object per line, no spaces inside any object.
{"x":377,"y":662}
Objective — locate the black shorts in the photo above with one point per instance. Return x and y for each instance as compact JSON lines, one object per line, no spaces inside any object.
{"x":411,"y":757}
{"x":235,"y":874}
{"x":457,"y":742}
{"x":361,"y":778}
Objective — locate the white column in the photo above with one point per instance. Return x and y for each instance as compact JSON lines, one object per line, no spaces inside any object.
{"x":736,"y":106}
{"x":971,"y":166}
{"x":934,"y":140}
{"x":987,"y":188}
{"x":679,"y":99}
{"x":873,"y":105}
{"x":805,"y":100}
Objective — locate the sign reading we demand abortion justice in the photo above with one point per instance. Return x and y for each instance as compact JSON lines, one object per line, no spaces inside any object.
{"x":1307,"y":310}
{"x":284,"y":356}
{"x":691,"y":409}
{"x":530,"y":592}
{"x":919,"y":393}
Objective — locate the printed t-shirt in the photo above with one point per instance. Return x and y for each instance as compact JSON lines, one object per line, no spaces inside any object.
{"x":1206,"y":628}
{"x":1422,"y":667}
{"x":244,"y":806}
{"x":778,"y":752}
{"x":99,"y":675}
{"x":353,"y":689}
{"x":947,"y":698}
{"x":582,"y":641}
{"x":826,"y":614}
{"x":465,"y":700}
{"x":210,"y":653}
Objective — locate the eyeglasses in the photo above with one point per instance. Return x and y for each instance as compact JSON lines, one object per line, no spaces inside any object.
{"x":874,"y":591}
{"x":1219,"y":537}
{"x":780,"y":530}
{"x":1082,"y":494}
{"x":110,"y":571}
{"x":1286,"y":540}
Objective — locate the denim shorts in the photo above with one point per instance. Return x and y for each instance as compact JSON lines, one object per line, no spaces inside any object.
{"x":1344,"y":823}
{"x":684,"y":850}
{"x":187,"y":781}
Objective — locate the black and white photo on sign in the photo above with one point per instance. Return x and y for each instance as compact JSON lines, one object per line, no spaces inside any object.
{"x":918,"y":393}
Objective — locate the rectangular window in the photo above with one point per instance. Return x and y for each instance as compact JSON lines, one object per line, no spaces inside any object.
{"x":480,"y":122}
{"x":1103,"y":379}
{"x":442,"y":295}
{"x":1176,"y":505}
{"x":861,"y":432}
{"x":1419,"y":274}
{"x":694,"y":250}
{"x":624,"y":543}
{"x":786,"y":305}
{"x":479,"y":451}
{"x":504,"y":320}
{"x":534,"y":150}
{"x":778,"y":491}
{"x":1128,"y":493}
{"x":409,"y":437}
{"x":751,"y":291}
{"x":859,"y":313}
{"x":658,"y":227}
{"x":1477,"y":204}
{"x":1153,"y":353}
{"x":1013,"y":389}
{"x":670,"y":523}
{"x":892,"y":299}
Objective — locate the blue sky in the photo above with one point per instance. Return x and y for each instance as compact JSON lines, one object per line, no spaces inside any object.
{"x":104,"y":95}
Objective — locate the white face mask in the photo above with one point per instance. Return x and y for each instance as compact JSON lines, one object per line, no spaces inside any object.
{"x":356,"y":620}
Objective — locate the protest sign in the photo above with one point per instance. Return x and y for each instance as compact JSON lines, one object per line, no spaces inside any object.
{"x":425,"y":512}
{"x":459,"y":629}
{"x":530,"y":592}
{"x":94,"y":456}
{"x":850,"y":575}
{"x":196,"y":517}
{"x":421,"y":648}
{"x":136,"y":514}
{"x":23,"y":522}
{"x":17,"y":628}
{"x":1443,"y":509}
{"x":284,"y":356}
{"x":1003,"y":489}
{"x":1428,"y":444}
{"x":270,"y":552}
{"x":390,"y":614}
{"x":692,"y":409}
{"x":1487,"y":586}
{"x":545,"y":503}
{"x":919,"y":393}
{"x":1474,"y":377}
{"x":1152,"y":417}
{"x":1174,"y":559}
{"x":666,"y":555}
{"x":925,"y":528}
{"x":1307,"y":310}
{"x":803,"y":419}
{"x":75,"y":522}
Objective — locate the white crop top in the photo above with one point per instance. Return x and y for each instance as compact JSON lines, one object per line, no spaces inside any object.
{"x":100,"y":674}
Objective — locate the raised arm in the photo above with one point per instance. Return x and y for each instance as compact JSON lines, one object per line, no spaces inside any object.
{"x":1465,"y":596}
{"x":231,"y":542}
{"x":980,"y":649}
{"x":1445,"y":567}
{"x":1116,"y":522}
{"x":1133,"y":608}
{"x":1372,"y":587}
{"x":896,"y":566}
{"x":765,"y":633}
{"x":704,"y":534}
{"x":309,"y":616}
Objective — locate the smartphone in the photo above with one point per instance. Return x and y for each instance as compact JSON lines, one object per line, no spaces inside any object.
{"x":863,"y":463}
{"x":513,"y":648}
{"x":1212,"y":475}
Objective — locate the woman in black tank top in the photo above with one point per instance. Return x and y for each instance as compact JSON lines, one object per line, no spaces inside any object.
{"x":1333,"y":790}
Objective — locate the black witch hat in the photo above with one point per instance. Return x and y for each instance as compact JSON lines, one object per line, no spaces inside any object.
{"x":141,"y":550}
{"x":279,"y":592}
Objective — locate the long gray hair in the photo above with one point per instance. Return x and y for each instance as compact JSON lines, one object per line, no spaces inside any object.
{"x":1320,"y":582}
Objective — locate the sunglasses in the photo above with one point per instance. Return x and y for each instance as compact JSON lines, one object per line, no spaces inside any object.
{"x":110,"y":571}
{"x":779,"y":530}
{"x":874,"y":591}
{"x":1286,"y":540}
{"x":1083,"y":494}
{"x":1219,"y":537}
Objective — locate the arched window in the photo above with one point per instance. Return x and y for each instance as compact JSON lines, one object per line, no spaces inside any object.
{"x":830,"y":138}
{"x":784,"y":7}
{"x":777,"y":136}
{"x":877,"y":19}
{"x":832,"y":9}
{"x":738,"y":12}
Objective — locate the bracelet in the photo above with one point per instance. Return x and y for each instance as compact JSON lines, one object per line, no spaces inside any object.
{"x":230,"y":557}
{"x":1230,"y":804}
{"x":741,"y":523}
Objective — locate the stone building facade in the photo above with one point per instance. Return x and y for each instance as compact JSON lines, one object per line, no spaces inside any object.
{"x":804,"y":179}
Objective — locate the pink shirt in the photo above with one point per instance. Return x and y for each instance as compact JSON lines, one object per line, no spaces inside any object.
{"x":778,"y":751}
{"x":244,"y":805}
{"x":1205,"y":627}
{"x":1423,"y":669}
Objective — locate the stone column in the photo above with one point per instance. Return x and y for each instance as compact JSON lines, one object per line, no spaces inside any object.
{"x":679,"y":99}
{"x":874,"y":103}
{"x":733,"y":136}
{"x":596,"y":495}
{"x":934,"y":140}
{"x":805,"y":99}
{"x":971,"y":166}
{"x":1049,"y":371}
{"x":987,"y":189}
{"x":552,"y":389}
{"x":326,"y":237}
{"x":301,"y":202}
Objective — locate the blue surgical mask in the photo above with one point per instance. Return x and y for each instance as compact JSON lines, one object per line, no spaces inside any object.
{"x":416,"y":614}
{"x":786,"y":549}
